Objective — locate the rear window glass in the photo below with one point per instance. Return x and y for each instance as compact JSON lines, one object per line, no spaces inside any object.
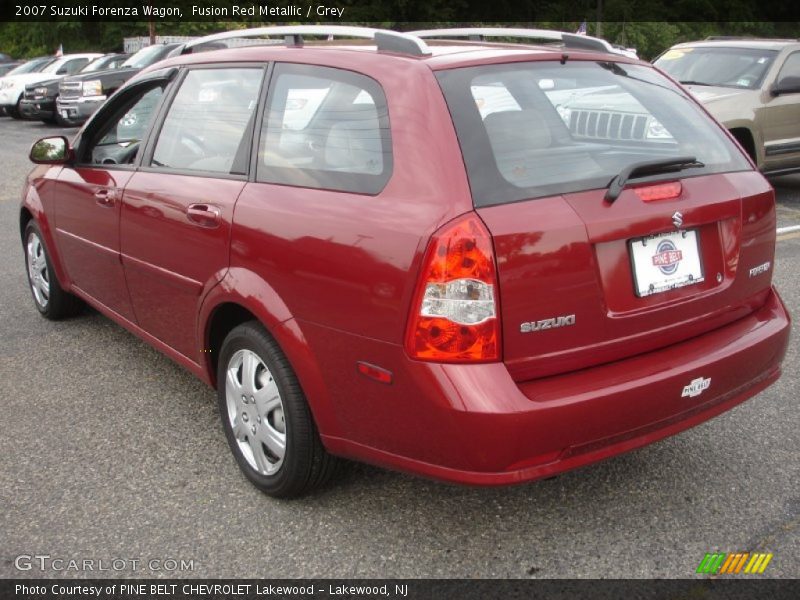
{"x":530,"y":130}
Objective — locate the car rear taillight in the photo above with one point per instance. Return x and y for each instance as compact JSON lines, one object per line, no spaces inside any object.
{"x":455,"y":313}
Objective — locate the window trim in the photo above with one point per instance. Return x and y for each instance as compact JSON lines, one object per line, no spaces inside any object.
{"x":164,"y":79}
{"x":387,"y":141}
{"x":147,"y":156}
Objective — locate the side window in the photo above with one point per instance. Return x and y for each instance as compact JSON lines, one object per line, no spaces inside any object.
{"x":325,"y":128}
{"x":118,"y":140}
{"x":207,"y":123}
{"x":791,"y":68}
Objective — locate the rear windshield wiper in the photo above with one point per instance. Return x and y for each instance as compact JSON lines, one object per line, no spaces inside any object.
{"x":648,"y":167}
{"x":617,"y":70}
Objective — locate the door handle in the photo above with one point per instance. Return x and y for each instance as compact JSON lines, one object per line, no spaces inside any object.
{"x":204,"y":215}
{"x":105,"y":197}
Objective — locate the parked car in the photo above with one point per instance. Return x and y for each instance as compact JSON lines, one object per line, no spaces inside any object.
{"x":5,"y":58}
{"x":12,"y":87}
{"x":9,"y":66}
{"x":81,"y":95}
{"x":403,"y":277}
{"x":33,"y":65}
{"x":39,"y":100}
{"x":750,"y":86}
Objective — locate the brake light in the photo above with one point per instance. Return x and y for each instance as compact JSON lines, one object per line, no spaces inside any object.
{"x":455,"y":316}
{"x":662,"y":191}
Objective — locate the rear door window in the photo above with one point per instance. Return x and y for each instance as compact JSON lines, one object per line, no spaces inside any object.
{"x":537,"y":129}
{"x":325,"y":128}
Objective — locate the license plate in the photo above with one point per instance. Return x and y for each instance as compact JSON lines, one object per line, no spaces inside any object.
{"x":666,"y":261}
{"x":65,"y":114}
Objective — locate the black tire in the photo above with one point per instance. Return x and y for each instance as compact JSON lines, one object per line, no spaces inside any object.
{"x":49,"y":120}
{"x":14,"y":111}
{"x":58,"y":303}
{"x":305,"y":464}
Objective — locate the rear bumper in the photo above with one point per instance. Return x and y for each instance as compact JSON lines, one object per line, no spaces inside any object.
{"x":477,"y":426}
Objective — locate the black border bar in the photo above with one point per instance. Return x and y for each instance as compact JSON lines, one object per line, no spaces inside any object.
{"x":731,"y":588}
{"x":399,"y":11}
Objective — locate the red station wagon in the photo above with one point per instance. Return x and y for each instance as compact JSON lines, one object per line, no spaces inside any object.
{"x":410,"y":251}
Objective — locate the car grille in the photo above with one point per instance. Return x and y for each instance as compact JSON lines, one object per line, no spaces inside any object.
{"x":607,"y":125}
{"x":70,"y":89}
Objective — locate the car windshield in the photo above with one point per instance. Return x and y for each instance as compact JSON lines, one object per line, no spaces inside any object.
{"x":32,"y":66}
{"x":144,"y":57}
{"x":98,"y":65}
{"x":543,"y":128}
{"x":54,"y":66}
{"x":726,"y":67}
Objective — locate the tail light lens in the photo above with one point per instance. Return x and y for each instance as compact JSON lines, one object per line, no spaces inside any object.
{"x":455,"y":316}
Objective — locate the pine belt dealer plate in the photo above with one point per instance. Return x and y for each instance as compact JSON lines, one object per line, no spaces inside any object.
{"x":665,"y":261}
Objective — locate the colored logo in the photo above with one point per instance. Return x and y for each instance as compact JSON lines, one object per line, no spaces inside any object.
{"x":696,"y":387}
{"x":667,"y":257}
{"x":721,"y":563}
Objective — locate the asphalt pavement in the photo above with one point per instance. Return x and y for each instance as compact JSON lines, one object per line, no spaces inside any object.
{"x":109,"y":451}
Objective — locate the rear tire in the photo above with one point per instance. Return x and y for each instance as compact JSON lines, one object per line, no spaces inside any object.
{"x":267,"y":421}
{"x":49,"y":297}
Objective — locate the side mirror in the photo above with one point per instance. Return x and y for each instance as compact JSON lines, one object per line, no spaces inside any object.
{"x":787,"y":85}
{"x":51,"y":151}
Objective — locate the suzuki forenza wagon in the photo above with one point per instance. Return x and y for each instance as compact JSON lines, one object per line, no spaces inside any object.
{"x":410,"y":250}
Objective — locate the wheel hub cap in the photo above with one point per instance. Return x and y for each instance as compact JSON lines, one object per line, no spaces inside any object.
{"x":255,"y":412}
{"x":38,"y":275}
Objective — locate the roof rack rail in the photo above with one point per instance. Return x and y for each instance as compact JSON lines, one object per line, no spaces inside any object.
{"x":389,"y":41}
{"x":746,"y":38}
{"x":570,"y":40}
